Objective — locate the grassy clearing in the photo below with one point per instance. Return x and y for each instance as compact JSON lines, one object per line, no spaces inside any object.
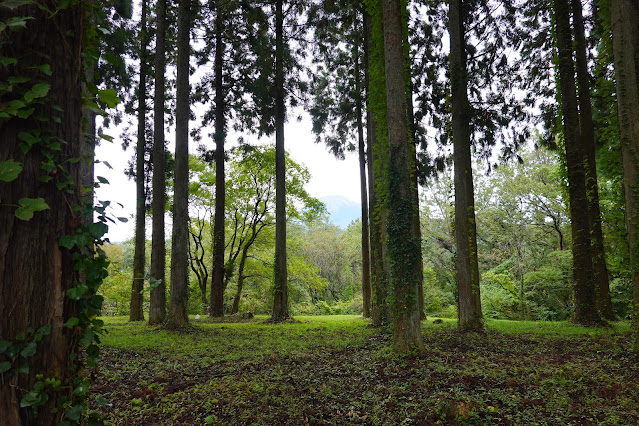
{"x":337,"y":370}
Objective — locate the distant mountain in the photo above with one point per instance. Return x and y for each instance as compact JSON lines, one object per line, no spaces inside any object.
{"x":342,"y":210}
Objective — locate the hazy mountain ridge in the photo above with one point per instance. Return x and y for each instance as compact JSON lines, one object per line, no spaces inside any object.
{"x":342,"y":211}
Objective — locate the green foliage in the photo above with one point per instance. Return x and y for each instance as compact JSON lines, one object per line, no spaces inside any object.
{"x":9,"y":170}
{"x":28,"y":206}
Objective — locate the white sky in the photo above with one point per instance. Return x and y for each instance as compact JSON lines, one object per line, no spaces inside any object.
{"x":329,"y":176}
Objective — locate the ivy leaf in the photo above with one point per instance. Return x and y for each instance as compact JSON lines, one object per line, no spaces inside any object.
{"x":17,"y":21}
{"x":97,"y":230}
{"x":76,"y":293}
{"x":4,"y":366}
{"x":67,"y":241}
{"x":45,"y":69}
{"x":72,"y":322}
{"x":109,"y":97}
{"x":4,"y":345}
{"x":12,"y":4}
{"x":30,"y":205}
{"x":9,"y":170}
{"x":23,"y":368}
{"x":40,"y":90}
{"x":29,"y":350}
{"x":6,"y":61}
{"x":25,"y":113}
{"x":18,"y":79}
{"x":33,"y":398}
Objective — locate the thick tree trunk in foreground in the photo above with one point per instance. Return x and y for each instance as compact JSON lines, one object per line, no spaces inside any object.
{"x":35,"y":272}
{"x":404,"y":247}
{"x":178,"y":315}
{"x":584,"y":284}
{"x":139,"y":256}
{"x":470,"y":314}
{"x":157,"y":306}
{"x":217,"y":285}
{"x":587,"y":130}
{"x":624,"y":16}
{"x":280,"y":290}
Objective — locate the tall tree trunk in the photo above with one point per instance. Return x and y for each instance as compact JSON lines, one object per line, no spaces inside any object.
{"x":366,"y":260}
{"x":404,"y":247}
{"x":584,"y":284}
{"x":470,"y":314}
{"x":35,"y":271}
{"x":588,"y":142}
{"x":624,"y":15}
{"x":376,"y":111}
{"x":157,"y":306}
{"x":240,"y":280}
{"x":417,"y":228}
{"x":217,"y":285}
{"x":280,"y":293}
{"x":178,"y":315}
{"x":139,"y":256}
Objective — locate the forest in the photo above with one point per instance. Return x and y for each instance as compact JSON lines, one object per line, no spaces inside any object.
{"x":492,"y":276}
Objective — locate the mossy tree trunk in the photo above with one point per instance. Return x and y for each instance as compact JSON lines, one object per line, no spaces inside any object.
{"x":587,"y":131}
{"x":624,"y":15}
{"x":376,"y":130}
{"x":404,"y":246}
{"x":35,"y":271}
{"x":584,"y":284}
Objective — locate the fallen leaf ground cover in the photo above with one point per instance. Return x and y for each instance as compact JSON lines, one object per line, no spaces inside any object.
{"x":337,"y":370}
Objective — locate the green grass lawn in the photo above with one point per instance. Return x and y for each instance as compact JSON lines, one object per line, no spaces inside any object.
{"x":338,"y":370}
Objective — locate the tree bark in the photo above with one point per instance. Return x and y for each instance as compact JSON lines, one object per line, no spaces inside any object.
{"x":584,"y":284}
{"x":178,"y":315}
{"x":280,"y":290}
{"x":218,"y":285}
{"x":404,"y":247}
{"x":35,"y":271}
{"x":417,"y":227}
{"x":470,"y":313}
{"x":139,"y":256}
{"x":624,"y":15}
{"x":157,"y":306}
{"x":240,"y":280}
{"x":600,"y":269}
{"x":376,"y":107}
{"x":366,"y":261}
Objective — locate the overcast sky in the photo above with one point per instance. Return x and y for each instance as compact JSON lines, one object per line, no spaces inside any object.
{"x":329,"y":175}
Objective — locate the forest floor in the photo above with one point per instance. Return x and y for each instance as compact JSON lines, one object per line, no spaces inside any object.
{"x":337,"y":370}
